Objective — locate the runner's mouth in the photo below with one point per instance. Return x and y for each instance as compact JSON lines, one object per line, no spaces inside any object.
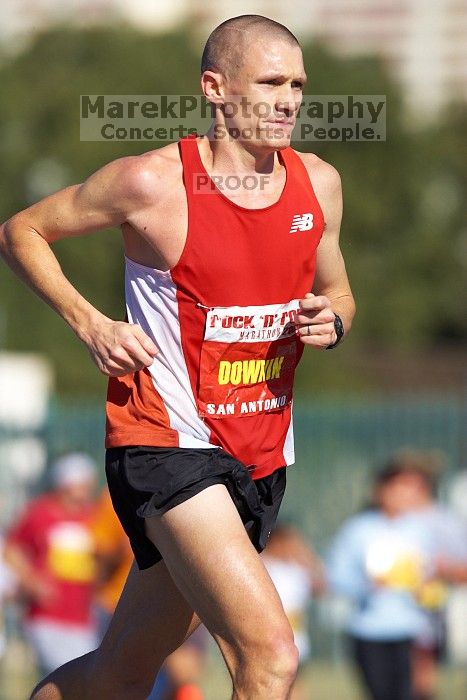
{"x":284,"y":124}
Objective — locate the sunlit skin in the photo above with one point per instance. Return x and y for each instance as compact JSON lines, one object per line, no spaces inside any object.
{"x":145,"y":196}
{"x":273,"y":73}
{"x":272,"y":79}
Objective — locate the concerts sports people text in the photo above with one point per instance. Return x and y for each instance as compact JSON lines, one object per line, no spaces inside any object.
{"x":222,"y":297}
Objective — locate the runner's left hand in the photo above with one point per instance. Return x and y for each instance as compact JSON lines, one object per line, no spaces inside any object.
{"x":315,"y":321}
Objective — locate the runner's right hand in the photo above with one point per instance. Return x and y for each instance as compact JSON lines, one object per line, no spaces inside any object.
{"x":120,"y":348}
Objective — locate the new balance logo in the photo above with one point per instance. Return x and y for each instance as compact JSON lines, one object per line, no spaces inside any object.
{"x":301,"y":222}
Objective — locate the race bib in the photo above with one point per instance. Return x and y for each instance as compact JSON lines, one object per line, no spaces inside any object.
{"x":248,"y":360}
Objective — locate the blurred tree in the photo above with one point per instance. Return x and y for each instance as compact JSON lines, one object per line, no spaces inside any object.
{"x":404,"y":225}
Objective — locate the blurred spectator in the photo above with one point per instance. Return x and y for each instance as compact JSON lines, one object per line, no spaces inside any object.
{"x":386,"y":560}
{"x":450,"y":568}
{"x":7,"y":591}
{"x":456,"y":575}
{"x":178,"y":679}
{"x":297,"y":574}
{"x":50,"y":551}
{"x":457,"y":494}
{"x":446,"y":556}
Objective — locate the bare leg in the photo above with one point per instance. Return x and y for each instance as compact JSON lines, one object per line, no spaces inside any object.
{"x":151,"y":620}
{"x":209,"y":565}
{"x":218,"y":571}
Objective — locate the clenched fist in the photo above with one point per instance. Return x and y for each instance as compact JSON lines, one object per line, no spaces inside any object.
{"x":120,"y":348}
{"x":315,"y":321}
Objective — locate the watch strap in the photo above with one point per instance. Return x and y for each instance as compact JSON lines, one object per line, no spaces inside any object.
{"x":339,"y":329}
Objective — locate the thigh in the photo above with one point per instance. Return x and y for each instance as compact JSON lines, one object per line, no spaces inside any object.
{"x":218,"y":571}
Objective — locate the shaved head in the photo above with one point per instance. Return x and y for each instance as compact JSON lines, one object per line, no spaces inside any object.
{"x":226,"y":47}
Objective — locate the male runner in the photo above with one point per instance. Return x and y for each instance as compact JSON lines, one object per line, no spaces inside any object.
{"x":219,"y":308}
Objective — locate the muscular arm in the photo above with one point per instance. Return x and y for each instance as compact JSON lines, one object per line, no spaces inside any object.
{"x":331,"y":291}
{"x":106,"y":199}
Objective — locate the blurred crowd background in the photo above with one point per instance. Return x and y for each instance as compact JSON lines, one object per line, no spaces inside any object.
{"x":370,"y":556}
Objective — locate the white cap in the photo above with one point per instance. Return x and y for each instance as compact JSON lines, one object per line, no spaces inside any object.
{"x":72,"y":468}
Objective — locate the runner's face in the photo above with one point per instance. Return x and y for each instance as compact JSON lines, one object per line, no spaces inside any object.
{"x":270,"y":82}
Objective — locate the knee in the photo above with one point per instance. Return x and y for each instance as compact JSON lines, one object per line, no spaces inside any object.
{"x":281,"y":659}
{"x":270,"y":665}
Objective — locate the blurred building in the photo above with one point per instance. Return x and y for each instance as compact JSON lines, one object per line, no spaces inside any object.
{"x":21,"y":18}
{"x":423,"y":41}
{"x":26,"y":384}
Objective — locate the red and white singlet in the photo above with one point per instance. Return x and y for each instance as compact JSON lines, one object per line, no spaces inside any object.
{"x":222,"y":319}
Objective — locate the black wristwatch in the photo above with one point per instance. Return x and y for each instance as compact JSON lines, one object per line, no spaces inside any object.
{"x":339,"y":328}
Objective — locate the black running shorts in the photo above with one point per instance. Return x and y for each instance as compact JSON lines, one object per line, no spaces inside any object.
{"x":147,"y":481}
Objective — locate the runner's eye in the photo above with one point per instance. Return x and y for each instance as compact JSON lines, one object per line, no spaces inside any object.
{"x":296,"y":84}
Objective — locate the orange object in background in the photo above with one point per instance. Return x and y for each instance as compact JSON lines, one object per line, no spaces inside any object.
{"x":188,"y":692}
{"x":113,"y":553}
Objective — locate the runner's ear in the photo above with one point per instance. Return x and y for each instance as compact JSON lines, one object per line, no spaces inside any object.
{"x":212,"y":85}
